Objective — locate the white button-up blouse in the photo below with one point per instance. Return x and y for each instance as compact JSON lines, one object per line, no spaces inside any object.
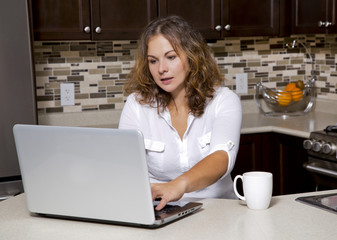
{"x":169,"y":156}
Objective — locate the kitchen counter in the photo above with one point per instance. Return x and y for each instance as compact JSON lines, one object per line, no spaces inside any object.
{"x":324,"y":114}
{"x":218,"y":219}
{"x":299,"y":126}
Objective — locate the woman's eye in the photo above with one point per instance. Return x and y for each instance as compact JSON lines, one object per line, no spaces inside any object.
{"x":152,"y":61}
{"x":171,"y":57}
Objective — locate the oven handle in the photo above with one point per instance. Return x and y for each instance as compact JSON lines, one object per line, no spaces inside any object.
{"x":312,"y":168}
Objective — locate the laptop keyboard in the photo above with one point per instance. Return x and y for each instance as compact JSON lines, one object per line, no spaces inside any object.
{"x":168,"y":209}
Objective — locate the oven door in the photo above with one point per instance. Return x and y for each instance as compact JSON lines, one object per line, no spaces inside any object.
{"x":324,"y":173}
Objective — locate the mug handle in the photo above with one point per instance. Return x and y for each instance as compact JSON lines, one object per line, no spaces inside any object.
{"x":235,"y":190}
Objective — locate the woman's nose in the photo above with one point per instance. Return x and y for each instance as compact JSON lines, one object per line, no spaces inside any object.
{"x":162,"y":67}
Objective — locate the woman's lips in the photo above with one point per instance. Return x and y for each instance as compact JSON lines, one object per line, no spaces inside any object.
{"x":166,"y":80}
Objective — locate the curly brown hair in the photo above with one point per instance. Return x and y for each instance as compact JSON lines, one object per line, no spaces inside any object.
{"x":203,"y":75}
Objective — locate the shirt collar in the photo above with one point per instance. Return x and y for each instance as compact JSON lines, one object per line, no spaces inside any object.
{"x":167,"y":117}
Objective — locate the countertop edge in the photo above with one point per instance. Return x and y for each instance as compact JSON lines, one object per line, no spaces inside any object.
{"x":252,"y":120}
{"x":266,"y":129}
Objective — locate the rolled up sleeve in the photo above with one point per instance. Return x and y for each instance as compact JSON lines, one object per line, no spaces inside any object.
{"x":227,"y":127}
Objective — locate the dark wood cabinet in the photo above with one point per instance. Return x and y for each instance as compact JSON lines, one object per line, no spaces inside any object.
{"x":217,"y":19}
{"x":249,"y":155}
{"x":204,"y":15}
{"x":279,"y":154}
{"x":315,"y":16}
{"x":60,"y":20}
{"x":251,"y":17}
{"x":114,"y":19}
{"x":90,"y":20}
{"x":291,"y":156}
{"x":117,"y":19}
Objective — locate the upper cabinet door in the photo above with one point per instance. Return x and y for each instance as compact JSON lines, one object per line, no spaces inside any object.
{"x":115,"y":19}
{"x":314,"y":16}
{"x":91,"y":19}
{"x":60,"y":20}
{"x":204,"y":15}
{"x":251,"y":17}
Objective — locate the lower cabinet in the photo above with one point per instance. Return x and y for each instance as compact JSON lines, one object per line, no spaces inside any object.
{"x":280,"y":154}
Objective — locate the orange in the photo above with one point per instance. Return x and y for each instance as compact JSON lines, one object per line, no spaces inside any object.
{"x":296,"y":94}
{"x":284,"y":98}
{"x":300,"y":84}
{"x":290,"y":87}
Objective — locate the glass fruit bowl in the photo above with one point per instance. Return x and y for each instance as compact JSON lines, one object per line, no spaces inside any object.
{"x":285,"y":103}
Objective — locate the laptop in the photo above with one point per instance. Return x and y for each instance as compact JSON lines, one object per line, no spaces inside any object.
{"x":91,"y":174}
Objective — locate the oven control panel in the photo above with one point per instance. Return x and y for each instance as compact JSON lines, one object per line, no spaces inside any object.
{"x":322,"y":145}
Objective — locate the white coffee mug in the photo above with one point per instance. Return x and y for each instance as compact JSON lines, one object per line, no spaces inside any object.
{"x":257,"y":189}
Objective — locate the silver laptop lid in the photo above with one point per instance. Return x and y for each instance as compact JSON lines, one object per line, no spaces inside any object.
{"x":91,"y":173}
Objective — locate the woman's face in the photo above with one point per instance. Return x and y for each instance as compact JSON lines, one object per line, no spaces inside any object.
{"x":167,"y":68}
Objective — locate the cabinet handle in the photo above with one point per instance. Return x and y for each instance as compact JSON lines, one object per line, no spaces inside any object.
{"x":98,"y":30}
{"x":218,"y":28}
{"x":327,"y":24}
{"x":227,"y":27}
{"x":87,"y":29}
{"x":324,"y":24}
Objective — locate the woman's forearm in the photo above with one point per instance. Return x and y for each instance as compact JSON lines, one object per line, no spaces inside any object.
{"x":205,"y":172}
{"x":201,"y":175}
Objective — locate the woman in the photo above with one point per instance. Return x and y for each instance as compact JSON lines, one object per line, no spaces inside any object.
{"x":191,"y":125}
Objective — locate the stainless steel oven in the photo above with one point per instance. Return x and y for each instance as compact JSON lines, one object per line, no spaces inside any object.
{"x":322,"y":157}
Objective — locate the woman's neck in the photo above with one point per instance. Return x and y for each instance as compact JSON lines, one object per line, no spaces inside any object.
{"x":178,"y":100}
{"x":179,"y":111}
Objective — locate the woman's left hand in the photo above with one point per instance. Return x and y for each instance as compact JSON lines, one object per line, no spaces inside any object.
{"x":167,"y":192}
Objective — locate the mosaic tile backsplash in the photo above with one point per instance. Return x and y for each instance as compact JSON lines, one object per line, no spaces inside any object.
{"x":98,"y":69}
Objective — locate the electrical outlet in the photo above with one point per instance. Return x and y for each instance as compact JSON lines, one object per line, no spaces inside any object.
{"x":67,"y":94}
{"x":241,"y":82}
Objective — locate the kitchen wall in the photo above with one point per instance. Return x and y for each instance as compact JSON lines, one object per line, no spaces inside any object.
{"x":99,"y":69}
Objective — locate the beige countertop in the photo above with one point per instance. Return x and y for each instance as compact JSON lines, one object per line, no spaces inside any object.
{"x":218,"y":219}
{"x":299,"y":126}
{"x":323,"y":114}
